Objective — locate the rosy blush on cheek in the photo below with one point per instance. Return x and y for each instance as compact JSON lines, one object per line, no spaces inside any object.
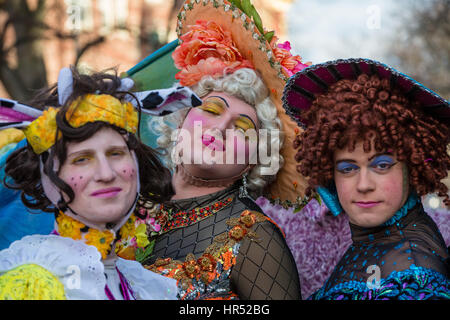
{"x":128,"y":172}
{"x":241,"y":144}
{"x":76,"y":182}
{"x":238,"y":146}
{"x":392,"y":188}
{"x":194,"y":118}
{"x":393,"y":191}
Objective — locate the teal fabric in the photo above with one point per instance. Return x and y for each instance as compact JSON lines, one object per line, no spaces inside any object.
{"x":330,"y":198}
{"x":412,"y":200}
{"x":414,"y":283}
{"x":156,"y":71}
{"x":16,"y":221}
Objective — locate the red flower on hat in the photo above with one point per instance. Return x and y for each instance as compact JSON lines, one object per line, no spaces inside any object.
{"x":206,"y":49}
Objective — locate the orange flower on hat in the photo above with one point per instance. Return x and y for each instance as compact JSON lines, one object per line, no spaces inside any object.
{"x":290,"y":64}
{"x":206,"y":49}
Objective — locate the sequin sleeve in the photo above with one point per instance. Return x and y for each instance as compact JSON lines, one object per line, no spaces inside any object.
{"x":415,"y":283}
{"x":265,"y":267}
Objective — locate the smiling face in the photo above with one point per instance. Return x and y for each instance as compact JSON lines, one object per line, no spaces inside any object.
{"x":371,"y":186}
{"x":103,"y":175}
{"x":227,"y":139}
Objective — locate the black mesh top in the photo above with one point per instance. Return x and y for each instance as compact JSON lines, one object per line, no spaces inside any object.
{"x":264,"y":267}
{"x":409,"y":259}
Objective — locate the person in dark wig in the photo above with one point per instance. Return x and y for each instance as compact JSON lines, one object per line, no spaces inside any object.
{"x":83,"y":161}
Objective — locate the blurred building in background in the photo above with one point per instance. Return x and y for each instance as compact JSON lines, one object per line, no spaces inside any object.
{"x":39,"y":37}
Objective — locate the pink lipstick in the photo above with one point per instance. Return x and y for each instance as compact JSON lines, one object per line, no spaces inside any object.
{"x":207,"y":139}
{"x":367,"y":204}
{"x":106,"y":193}
{"x":211,"y":143}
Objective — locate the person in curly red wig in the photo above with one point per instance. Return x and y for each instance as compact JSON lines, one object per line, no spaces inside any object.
{"x":370,"y":148}
{"x":383,"y":119}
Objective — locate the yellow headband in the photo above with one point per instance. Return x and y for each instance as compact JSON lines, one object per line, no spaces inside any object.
{"x":41,"y":132}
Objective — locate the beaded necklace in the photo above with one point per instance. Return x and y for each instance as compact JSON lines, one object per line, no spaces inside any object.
{"x":185,"y":218}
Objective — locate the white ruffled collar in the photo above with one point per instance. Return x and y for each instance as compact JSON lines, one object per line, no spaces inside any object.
{"x":80,"y":269}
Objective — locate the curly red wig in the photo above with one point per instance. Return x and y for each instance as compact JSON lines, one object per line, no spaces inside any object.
{"x":368,"y":109}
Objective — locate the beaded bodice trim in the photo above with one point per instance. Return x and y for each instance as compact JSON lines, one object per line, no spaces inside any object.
{"x":184,"y":212}
{"x":414,"y":283}
{"x":408,"y":259}
{"x":206,"y":276}
{"x":185,"y":218}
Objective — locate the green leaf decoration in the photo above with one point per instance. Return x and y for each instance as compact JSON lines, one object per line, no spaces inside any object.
{"x":298,"y":204}
{"x":269,"y":35}
{"x":246,"y":6}
{"x":317,"y":197}
{"x":141,"y":254}
{"x":256,"y":18}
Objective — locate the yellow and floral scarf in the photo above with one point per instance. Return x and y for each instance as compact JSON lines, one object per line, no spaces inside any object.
{"x":130,"y":242}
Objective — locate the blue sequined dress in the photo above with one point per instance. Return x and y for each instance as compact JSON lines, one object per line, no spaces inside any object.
{"x":406,"y":260}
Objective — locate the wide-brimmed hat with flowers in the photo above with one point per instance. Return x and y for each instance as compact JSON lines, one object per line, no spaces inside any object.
{"x":218,"y":37}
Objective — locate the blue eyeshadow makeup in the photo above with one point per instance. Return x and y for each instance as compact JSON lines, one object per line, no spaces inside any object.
{"x":382,"y":159}
{"x":345,"y":166}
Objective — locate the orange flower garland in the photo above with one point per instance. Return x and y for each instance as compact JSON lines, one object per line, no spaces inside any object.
{"x":68,"y":227}
{"x":71,"y":228}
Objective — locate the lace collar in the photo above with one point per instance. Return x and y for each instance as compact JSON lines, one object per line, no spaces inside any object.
{"x":387,"y":231}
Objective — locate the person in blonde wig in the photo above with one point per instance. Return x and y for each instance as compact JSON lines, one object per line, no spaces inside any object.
{"x":214,"y":239}
{"x":244,"y":84}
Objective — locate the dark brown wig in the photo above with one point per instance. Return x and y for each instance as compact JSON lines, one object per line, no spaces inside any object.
{"x":23,"y":164}
{"x":368,"y":108}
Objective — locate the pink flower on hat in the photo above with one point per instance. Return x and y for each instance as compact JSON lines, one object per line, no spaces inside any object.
{"x":289,"y":63}
{"x":206,"y":49}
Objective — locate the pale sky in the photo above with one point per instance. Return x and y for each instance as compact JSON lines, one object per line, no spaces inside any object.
{"x":322,"y":30}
